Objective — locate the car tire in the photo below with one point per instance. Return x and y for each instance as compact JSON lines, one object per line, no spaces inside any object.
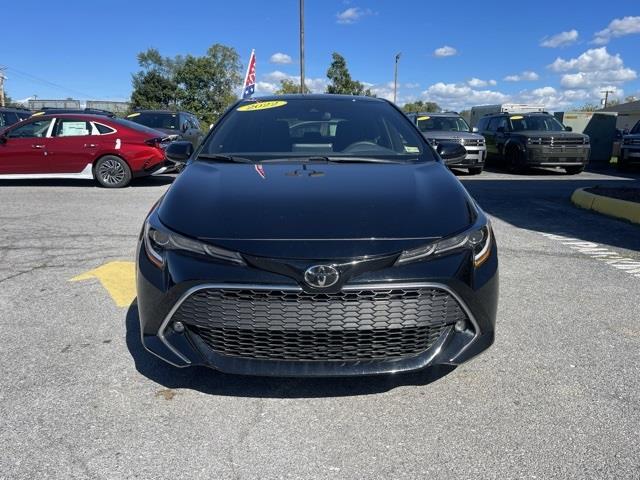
{"x":475,"y":170}
{"x":112,"y":172}
{"x":622,"y":164}
{"x":515,"y":160}
{"x":574,"y":170}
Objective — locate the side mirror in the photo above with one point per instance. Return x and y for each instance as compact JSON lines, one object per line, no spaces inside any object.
{"x":625,"y":131}
{"x":451,"y":152}
{"x":475,"y":130}
{"x":179,"y":152}
{"x":500,"y":130}
{"x":568,"y":129}
{"x":185,"y":127}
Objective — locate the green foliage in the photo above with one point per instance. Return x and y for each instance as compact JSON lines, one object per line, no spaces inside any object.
{"x":588,"y":107}
{"x":202,"y":85}
{"x":288,"y":86}
{"x":341,"y":81}
{"x":420,"y":106}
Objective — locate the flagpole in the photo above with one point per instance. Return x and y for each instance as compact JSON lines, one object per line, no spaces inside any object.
{"x":246,"y":75}
{"x":301,"y":46}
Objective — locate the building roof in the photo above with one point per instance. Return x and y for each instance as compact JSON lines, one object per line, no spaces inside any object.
{"x":624,"y":107}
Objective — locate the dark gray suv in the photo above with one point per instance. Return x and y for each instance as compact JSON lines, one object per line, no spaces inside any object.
{"x":9,"y":116}
{"x":630,"y":148}
{"x":522,"y":140}
{"x":181,"y":125}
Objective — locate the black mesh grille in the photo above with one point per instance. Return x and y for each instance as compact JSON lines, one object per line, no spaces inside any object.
{"x":351,"y":325}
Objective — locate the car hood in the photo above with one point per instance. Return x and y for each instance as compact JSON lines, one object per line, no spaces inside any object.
{"x":448,"y":135}
{"x":354,"y":209}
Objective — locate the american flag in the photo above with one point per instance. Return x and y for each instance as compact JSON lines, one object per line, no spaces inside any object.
{"x":250,"y":78}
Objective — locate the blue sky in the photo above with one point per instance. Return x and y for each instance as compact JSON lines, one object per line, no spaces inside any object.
{"x":455,"y":53}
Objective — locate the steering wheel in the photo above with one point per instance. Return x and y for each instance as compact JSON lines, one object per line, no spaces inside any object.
{"x":359,"y":146}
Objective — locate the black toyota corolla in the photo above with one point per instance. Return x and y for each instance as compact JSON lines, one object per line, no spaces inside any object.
{"x":316,"y":235}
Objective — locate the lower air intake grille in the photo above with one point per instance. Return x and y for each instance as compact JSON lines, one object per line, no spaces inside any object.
{"x":349,"y":325}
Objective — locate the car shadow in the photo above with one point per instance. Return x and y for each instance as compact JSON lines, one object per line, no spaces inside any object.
{"x":211,"y":382}
{"x":151,"y":181}
{"x":542,"y":202}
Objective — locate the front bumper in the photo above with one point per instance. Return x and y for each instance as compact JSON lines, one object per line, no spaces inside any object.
{"x":630,"y":154}
{"x":475,"y":157}
{"x":557,"y":156}
{"x":164,"y":295}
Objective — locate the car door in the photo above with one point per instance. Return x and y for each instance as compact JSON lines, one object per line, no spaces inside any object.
{"x":72,"y":146}
{"x":23,"y":148}
{"x":489,"y":134}
{"x":501,"y":135}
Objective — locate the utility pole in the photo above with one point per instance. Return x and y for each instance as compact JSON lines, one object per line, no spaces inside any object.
{"x":606,"y":96}
{"x":395,"y":77}
{"x":302,"y":89}
{"x":2,"y":79}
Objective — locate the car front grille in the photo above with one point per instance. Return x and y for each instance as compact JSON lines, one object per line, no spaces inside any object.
{"x":366,"y":324}
{"x":474,"y":142}
{"x":557,"y":141}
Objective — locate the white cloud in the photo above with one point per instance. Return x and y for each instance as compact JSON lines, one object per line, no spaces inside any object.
{"x":281,"y":58}
{"x":617,"y":28}
{"x":445,"y":51}
{"x":412,"y":85}
{"x":352,"y":15}
{"x":271,"y":82}
{"x":561,"y":39}
{"x":266,"y":87}
{"x":458,"y":96}
{"x":544,"y":91}
{"x":527,"y":76}
{"x":478,"y":83}
{"x":594,"y":59}
{"x":593,"y":68}
{"x":587,"y":79}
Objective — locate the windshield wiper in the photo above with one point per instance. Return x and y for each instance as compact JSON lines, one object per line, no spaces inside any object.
{"x":224,"y":158}
{"x":322,"y":158}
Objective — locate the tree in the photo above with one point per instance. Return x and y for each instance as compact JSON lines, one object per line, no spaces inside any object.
{"x":203,"y":85}
{"x":588,"y":107}
{"x":206,"y":84}
{"x":420,"y":106}
{"x":288,"y":86}
{"x":154,"y":87}
{"x":341,"y":81}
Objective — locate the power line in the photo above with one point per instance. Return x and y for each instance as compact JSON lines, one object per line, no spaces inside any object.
{"x":42,"y":81}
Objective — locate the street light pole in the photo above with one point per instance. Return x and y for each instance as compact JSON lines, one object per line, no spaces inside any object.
{"x":395,"y":78}
{"x":301,"y":46}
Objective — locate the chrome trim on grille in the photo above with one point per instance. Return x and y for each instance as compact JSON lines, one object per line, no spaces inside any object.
{"x":294,"y":288}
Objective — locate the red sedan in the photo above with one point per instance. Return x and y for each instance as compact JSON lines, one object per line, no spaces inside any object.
{"x":110,"y":150}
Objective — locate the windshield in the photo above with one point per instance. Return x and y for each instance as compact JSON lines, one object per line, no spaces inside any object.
{"x":303,"y":127}
{"x":636,"y":128}
{"x":545,"y":123}
{"x":447,"y":124}
{"x":166,"y":121}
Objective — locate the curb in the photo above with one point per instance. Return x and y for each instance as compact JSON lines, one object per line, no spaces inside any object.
{"x":606,"y":205}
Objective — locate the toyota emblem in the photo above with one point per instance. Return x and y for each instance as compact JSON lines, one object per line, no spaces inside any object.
{"x":321,"y":276}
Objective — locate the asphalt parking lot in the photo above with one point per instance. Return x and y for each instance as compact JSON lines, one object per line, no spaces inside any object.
{"x":558,"y":395}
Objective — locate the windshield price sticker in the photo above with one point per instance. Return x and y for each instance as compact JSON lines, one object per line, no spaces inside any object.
{"x":410,"y":149}
{"x":261,"y":106}
{"x":517,"y":117}
{"x":133,"y":115}
{"x":424,"y":118}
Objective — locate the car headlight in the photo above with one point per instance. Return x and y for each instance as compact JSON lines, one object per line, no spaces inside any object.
{"x":478,"y":240}
{"x":157,"y":241}
{"x":586,"y":140}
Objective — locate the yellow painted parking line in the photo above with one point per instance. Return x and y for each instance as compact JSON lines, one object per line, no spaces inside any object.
{"x":118,"y":278}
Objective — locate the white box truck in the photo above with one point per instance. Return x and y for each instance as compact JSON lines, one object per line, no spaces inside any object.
{"x":478,"y":112}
